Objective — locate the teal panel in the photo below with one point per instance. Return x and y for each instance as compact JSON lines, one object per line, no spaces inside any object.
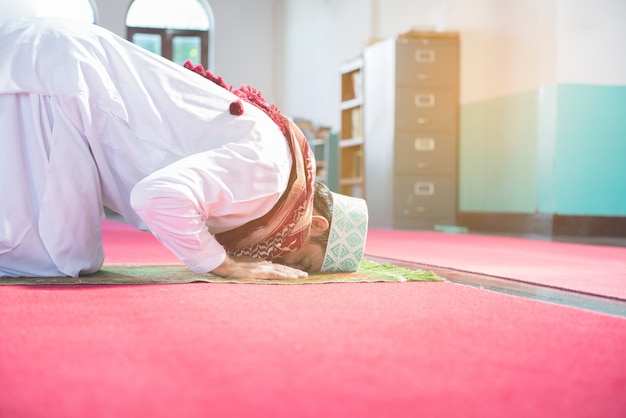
{"x":498,"y":154}
{"x":590,"y":166}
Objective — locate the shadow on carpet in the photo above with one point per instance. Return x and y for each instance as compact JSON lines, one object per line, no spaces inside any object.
{"x":369,"y":271}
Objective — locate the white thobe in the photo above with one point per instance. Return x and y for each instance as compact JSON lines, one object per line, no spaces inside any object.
{"x":89,"y":120}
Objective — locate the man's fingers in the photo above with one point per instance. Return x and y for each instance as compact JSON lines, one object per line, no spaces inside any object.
{"x":280,"y":271}
{"x":258,"y":269}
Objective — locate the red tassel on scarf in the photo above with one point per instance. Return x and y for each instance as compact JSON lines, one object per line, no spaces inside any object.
{"x":247,"y":93}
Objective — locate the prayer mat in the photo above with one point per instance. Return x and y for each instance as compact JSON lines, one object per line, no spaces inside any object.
{"x":369,"y":271}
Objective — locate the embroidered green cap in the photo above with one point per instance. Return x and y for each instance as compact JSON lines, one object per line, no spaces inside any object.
{"x":348,"y":231}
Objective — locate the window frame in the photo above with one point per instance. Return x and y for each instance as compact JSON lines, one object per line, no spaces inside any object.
{"x":167,"y":40}
{"x":168,"y":34}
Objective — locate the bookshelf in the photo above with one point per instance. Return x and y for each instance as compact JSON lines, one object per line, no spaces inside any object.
{"x":351,"y":179}
{"x":323,"y":143}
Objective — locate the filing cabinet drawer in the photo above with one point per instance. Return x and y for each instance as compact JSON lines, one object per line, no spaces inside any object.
{"x":411,"y":107}
{"x":423,"y":108}
{"x":424,"y":153}
{"x":427,"y":63}
{"x":416,"y":197}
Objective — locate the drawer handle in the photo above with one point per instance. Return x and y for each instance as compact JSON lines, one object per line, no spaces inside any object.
{"x":425,"y":56}
{"x":424,"y":188}
{"x":424,"y":144}
{"x":422,"y":121}
{"x":421,"y":164}
{"x":425,"y":100}
{"x":423,"y":76}
{"x":418,"y":209}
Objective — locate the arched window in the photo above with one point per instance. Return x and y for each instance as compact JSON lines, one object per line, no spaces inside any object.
{"x":82,"y":10}
{"x":177,"y":30}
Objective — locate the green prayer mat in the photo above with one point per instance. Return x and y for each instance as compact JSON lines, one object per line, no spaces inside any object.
{"x":369,"y":271}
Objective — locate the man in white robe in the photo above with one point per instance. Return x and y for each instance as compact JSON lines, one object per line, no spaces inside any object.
{"x":88,"y":120}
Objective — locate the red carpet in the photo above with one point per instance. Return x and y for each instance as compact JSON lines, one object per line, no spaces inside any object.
{"x":339,"y":350}
{"x":370,"y":350}
{"x":589,"y":269}
{"x":124,"y":244}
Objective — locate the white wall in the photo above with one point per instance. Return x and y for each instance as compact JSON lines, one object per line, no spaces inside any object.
{"x":590,"y":38}
{"x":319,"y":37}
{"x":507,"y":46}
{"x":112,"y":15}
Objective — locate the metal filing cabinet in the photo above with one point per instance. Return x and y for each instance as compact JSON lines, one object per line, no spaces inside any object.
{"x":411,"y":102}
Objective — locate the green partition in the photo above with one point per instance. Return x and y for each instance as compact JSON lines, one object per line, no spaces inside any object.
{"x":559,"y":149}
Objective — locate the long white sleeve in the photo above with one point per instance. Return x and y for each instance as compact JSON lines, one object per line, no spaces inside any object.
{"x":187,"y":202}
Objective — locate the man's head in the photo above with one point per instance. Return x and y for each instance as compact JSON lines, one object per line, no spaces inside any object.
{"x":337,"y":237}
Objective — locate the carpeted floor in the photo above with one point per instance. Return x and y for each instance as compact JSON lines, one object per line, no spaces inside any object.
{"x":335,"y":350}
{"x":595,"y":270}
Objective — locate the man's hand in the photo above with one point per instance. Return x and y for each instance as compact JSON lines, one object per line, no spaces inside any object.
{"x":242,"y":268}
